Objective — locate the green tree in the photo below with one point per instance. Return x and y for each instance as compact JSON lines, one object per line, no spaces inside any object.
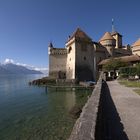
{"x":114,"y":64}
{"x":138,"y":69}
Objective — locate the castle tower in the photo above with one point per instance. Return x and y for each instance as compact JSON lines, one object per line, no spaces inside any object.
{"x":118,"y":38}
{"x":50,"y":46}
{"x":136,"y":47}
{"x":80,"y":56}
{"x":109,"y":42}
{"x":57,"y":62}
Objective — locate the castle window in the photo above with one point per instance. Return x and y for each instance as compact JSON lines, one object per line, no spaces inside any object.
{"x":70,"y":59}
{"x":70,"y":48}
{"x":85,"y":58}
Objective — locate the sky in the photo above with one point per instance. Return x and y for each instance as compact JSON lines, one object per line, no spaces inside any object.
{"x":27,"y":26}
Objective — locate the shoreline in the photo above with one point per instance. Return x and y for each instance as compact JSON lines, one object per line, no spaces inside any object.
{"x":62,"y":83}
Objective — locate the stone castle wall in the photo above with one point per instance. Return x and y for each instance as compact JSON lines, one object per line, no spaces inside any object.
{"x":57,"y":64}
{"x":79,"y":60}
{"x":70,"y":64}
{"x":85,"y":60}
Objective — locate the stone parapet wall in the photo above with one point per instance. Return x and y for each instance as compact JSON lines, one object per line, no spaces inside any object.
{"x":58,"y":51}
{"x":85,"y":126}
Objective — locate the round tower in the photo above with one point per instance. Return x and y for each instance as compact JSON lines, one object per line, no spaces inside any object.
{"x":109,"y":42}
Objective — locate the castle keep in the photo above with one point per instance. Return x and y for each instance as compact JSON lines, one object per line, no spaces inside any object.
{"x":81,"y":55}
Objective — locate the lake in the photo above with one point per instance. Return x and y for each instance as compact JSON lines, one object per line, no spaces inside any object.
{"x":36,"y":113}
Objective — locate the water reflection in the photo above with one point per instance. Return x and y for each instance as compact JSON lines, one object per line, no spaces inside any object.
{"x":70,"y":100}
{"x":68,"y":96}
{"x":31,"y":112}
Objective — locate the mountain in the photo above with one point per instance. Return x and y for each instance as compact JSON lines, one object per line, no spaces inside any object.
{"x":3,"y":71}
{"x":45,"y":71}
{"x":16,"y":69}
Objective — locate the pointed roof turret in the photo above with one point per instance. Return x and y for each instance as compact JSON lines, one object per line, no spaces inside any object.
{"x":137,"y":43}
{"x":50,"y":45}
{"x":80,"y":34}
{"x":106,"y":36}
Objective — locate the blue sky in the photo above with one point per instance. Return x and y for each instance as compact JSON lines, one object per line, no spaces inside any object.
{"x":27,"y":26}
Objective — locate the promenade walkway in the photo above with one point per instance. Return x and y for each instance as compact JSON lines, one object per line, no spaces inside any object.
{"x":127,"y":104}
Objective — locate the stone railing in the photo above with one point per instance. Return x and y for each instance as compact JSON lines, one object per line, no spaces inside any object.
{"x":85,"y":126}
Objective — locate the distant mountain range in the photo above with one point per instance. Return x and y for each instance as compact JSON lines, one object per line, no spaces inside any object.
{"x":16,"y":69}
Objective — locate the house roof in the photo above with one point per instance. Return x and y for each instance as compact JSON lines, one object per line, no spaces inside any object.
{"x":79,"y":34}
{"x":106,"y":36}
{"x":137,"y":43}
{"x":131,"y":58}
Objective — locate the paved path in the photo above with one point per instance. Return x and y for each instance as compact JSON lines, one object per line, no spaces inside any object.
{"x":127,"y":103}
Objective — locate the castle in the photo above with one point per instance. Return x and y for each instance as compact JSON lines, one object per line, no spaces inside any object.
{"x":81,"y":55}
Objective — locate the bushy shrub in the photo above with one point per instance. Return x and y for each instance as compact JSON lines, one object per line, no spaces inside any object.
{"x":123,"y":76}
{"x":138,"y":69}
{"x":128,"y":71}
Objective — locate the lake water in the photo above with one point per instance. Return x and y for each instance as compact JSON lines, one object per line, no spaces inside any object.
{"x":34,"y":113}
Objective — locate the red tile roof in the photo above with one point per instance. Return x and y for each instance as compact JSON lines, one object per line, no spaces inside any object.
{"x":79,"y":34}
{"x":106,"y":36}
{"x":137,"y":43}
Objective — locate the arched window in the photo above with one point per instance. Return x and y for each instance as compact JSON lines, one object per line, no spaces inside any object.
{"x":70,"y":48}
{"x":85,"y":58}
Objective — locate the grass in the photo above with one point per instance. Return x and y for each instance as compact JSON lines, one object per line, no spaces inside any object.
{"x":130,"y":83}
{"x":137,"y":91}
{"x":135,"y":84}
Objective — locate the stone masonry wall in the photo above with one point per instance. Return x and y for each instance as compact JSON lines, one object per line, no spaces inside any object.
{"x":57,"y":63}
{"x":85,"y":126}
{"x":99,"y":119}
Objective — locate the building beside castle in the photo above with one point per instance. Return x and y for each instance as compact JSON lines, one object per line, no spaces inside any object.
{"x":81,"y":55}
{"x":136,"y":47}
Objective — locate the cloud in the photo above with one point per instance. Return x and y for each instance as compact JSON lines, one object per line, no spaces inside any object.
{"x":7,"y":61}
{"x":20,"y":64}
{"x":43,"y":69}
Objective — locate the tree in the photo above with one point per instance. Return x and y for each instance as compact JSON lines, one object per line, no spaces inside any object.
{"x":130,"y":70}
{"x":138,"y":69}
{"x":114,"y":64}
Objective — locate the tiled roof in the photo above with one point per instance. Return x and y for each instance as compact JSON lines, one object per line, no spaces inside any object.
{"x":137,"y":43}
{"x":131,"y":58}
{"x":79,"y":34}
{"x":106,"y":36}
